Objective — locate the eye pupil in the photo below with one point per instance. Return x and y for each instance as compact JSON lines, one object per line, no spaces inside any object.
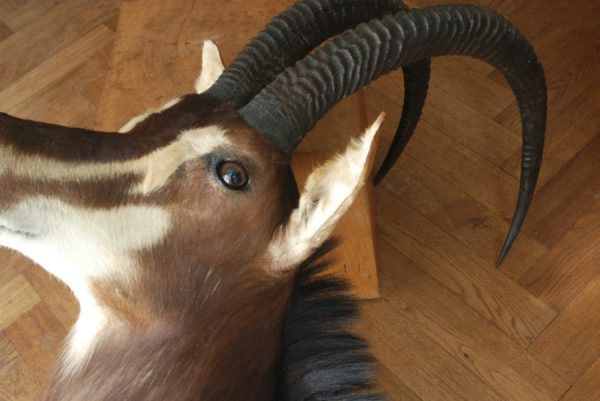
{"x":232,"y":175}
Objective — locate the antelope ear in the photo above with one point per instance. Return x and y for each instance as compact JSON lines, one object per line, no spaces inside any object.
{"x":212,"y":66}
{"x":328,"y":193}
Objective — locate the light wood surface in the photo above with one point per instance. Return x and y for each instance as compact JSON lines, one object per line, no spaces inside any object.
{"x":448,"y":325}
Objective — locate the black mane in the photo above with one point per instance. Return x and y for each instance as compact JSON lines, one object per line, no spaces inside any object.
{"x":320,"y":358}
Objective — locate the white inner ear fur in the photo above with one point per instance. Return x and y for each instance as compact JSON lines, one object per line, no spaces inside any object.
{"x":328,"y":193}
{"x":212,"y":68}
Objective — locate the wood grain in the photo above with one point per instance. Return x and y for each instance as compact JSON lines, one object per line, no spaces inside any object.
{"x":174,"y":35}
{"x":573,"y":192}
{"x":391,"y":386}
{"x":562,"y":273}
{"x":489,"y":354}
{"x":39,"y":78}
{"x":5,"y":31}
{"x":38,"y":338}
{"x":55,"y":294}
{"x":449,"y":326}
{"x":587,"y":387}
{"x":571,"y":344}
{"x":462,"y":217}
{"x":8,"y":352}
{"x":59,"y":28}
{"x":16,"y":298}
{"x":495,"y":297}
{"x":17,"y":383}
{"x":426,"y":368}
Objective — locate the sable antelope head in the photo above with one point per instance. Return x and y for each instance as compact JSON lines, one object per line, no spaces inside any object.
{"x":181,"y":237}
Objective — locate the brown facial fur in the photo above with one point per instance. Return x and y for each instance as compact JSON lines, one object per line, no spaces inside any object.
{"x":202,"y":319}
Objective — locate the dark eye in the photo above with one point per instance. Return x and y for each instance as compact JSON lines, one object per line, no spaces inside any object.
{"x":232,"y":175}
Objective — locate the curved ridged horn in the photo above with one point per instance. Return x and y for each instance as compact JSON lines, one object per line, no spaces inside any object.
{"x":415,"y":92}
{"x":289,"y":37}
{"x":288,"y":107}
{"x":297,"y":30}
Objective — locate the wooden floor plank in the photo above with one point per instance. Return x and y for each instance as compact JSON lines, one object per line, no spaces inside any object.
{"x":5,"y":31}
{"x":464,"y":169}
{"x":56,"y":30}
{"x":481,"y":286}
{"x":7,"y":267}
{"x":17,"y":97}
{"x":463,"y":122}
{"x":571,"y":344}
{"x":55,"y":294}
{"x":562,"y":273}
{"x":461,"y":216}
{"x":19,"y":14}
{"x":566,"y":136}
{"x":392,"y":387}
{"x":38,"y":337}
{"x":571,"y":59}
{"x":459,"y":78}
{"x":17,"y":382}
{"x":8,"y":352}
{"x":132,"y":69}
{"x":469,"y":338}
{"x":72,"y":99}
{"x":570,"y":194}
{"x":571,"y":64}
{"x":423,"y":365}
{"x":16,"y":298}
{"x":587,"y":387}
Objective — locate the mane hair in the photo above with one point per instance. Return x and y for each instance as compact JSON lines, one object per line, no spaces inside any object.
{"x":320,"y":358}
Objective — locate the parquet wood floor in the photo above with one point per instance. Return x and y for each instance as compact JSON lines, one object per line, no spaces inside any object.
{"x":449,"y":326}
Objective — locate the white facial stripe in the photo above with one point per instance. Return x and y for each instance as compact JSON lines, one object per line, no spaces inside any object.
{"x":78,"y":245}
{"x":85,"y":334}
{"x":156,"y":167}
{"x":75,"y":243}
{"x":190,"y":144}
{"x":137,"y":119}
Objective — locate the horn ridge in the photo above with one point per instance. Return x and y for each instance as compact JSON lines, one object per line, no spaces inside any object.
{"x":280,"y":112}
{"x":289,"y":37}
{"x":299,"y":29}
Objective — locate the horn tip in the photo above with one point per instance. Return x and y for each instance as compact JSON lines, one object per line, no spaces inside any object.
{"x":505,"y":249}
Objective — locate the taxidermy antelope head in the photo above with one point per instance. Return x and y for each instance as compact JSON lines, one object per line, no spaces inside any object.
{"x":183,"y":237}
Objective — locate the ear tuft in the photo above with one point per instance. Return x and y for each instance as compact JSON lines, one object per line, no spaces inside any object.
{"x":212,"y":66}
{"x":328,"y":193}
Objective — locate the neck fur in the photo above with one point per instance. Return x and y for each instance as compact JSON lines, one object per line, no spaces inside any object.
{"x":225,"y":352}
